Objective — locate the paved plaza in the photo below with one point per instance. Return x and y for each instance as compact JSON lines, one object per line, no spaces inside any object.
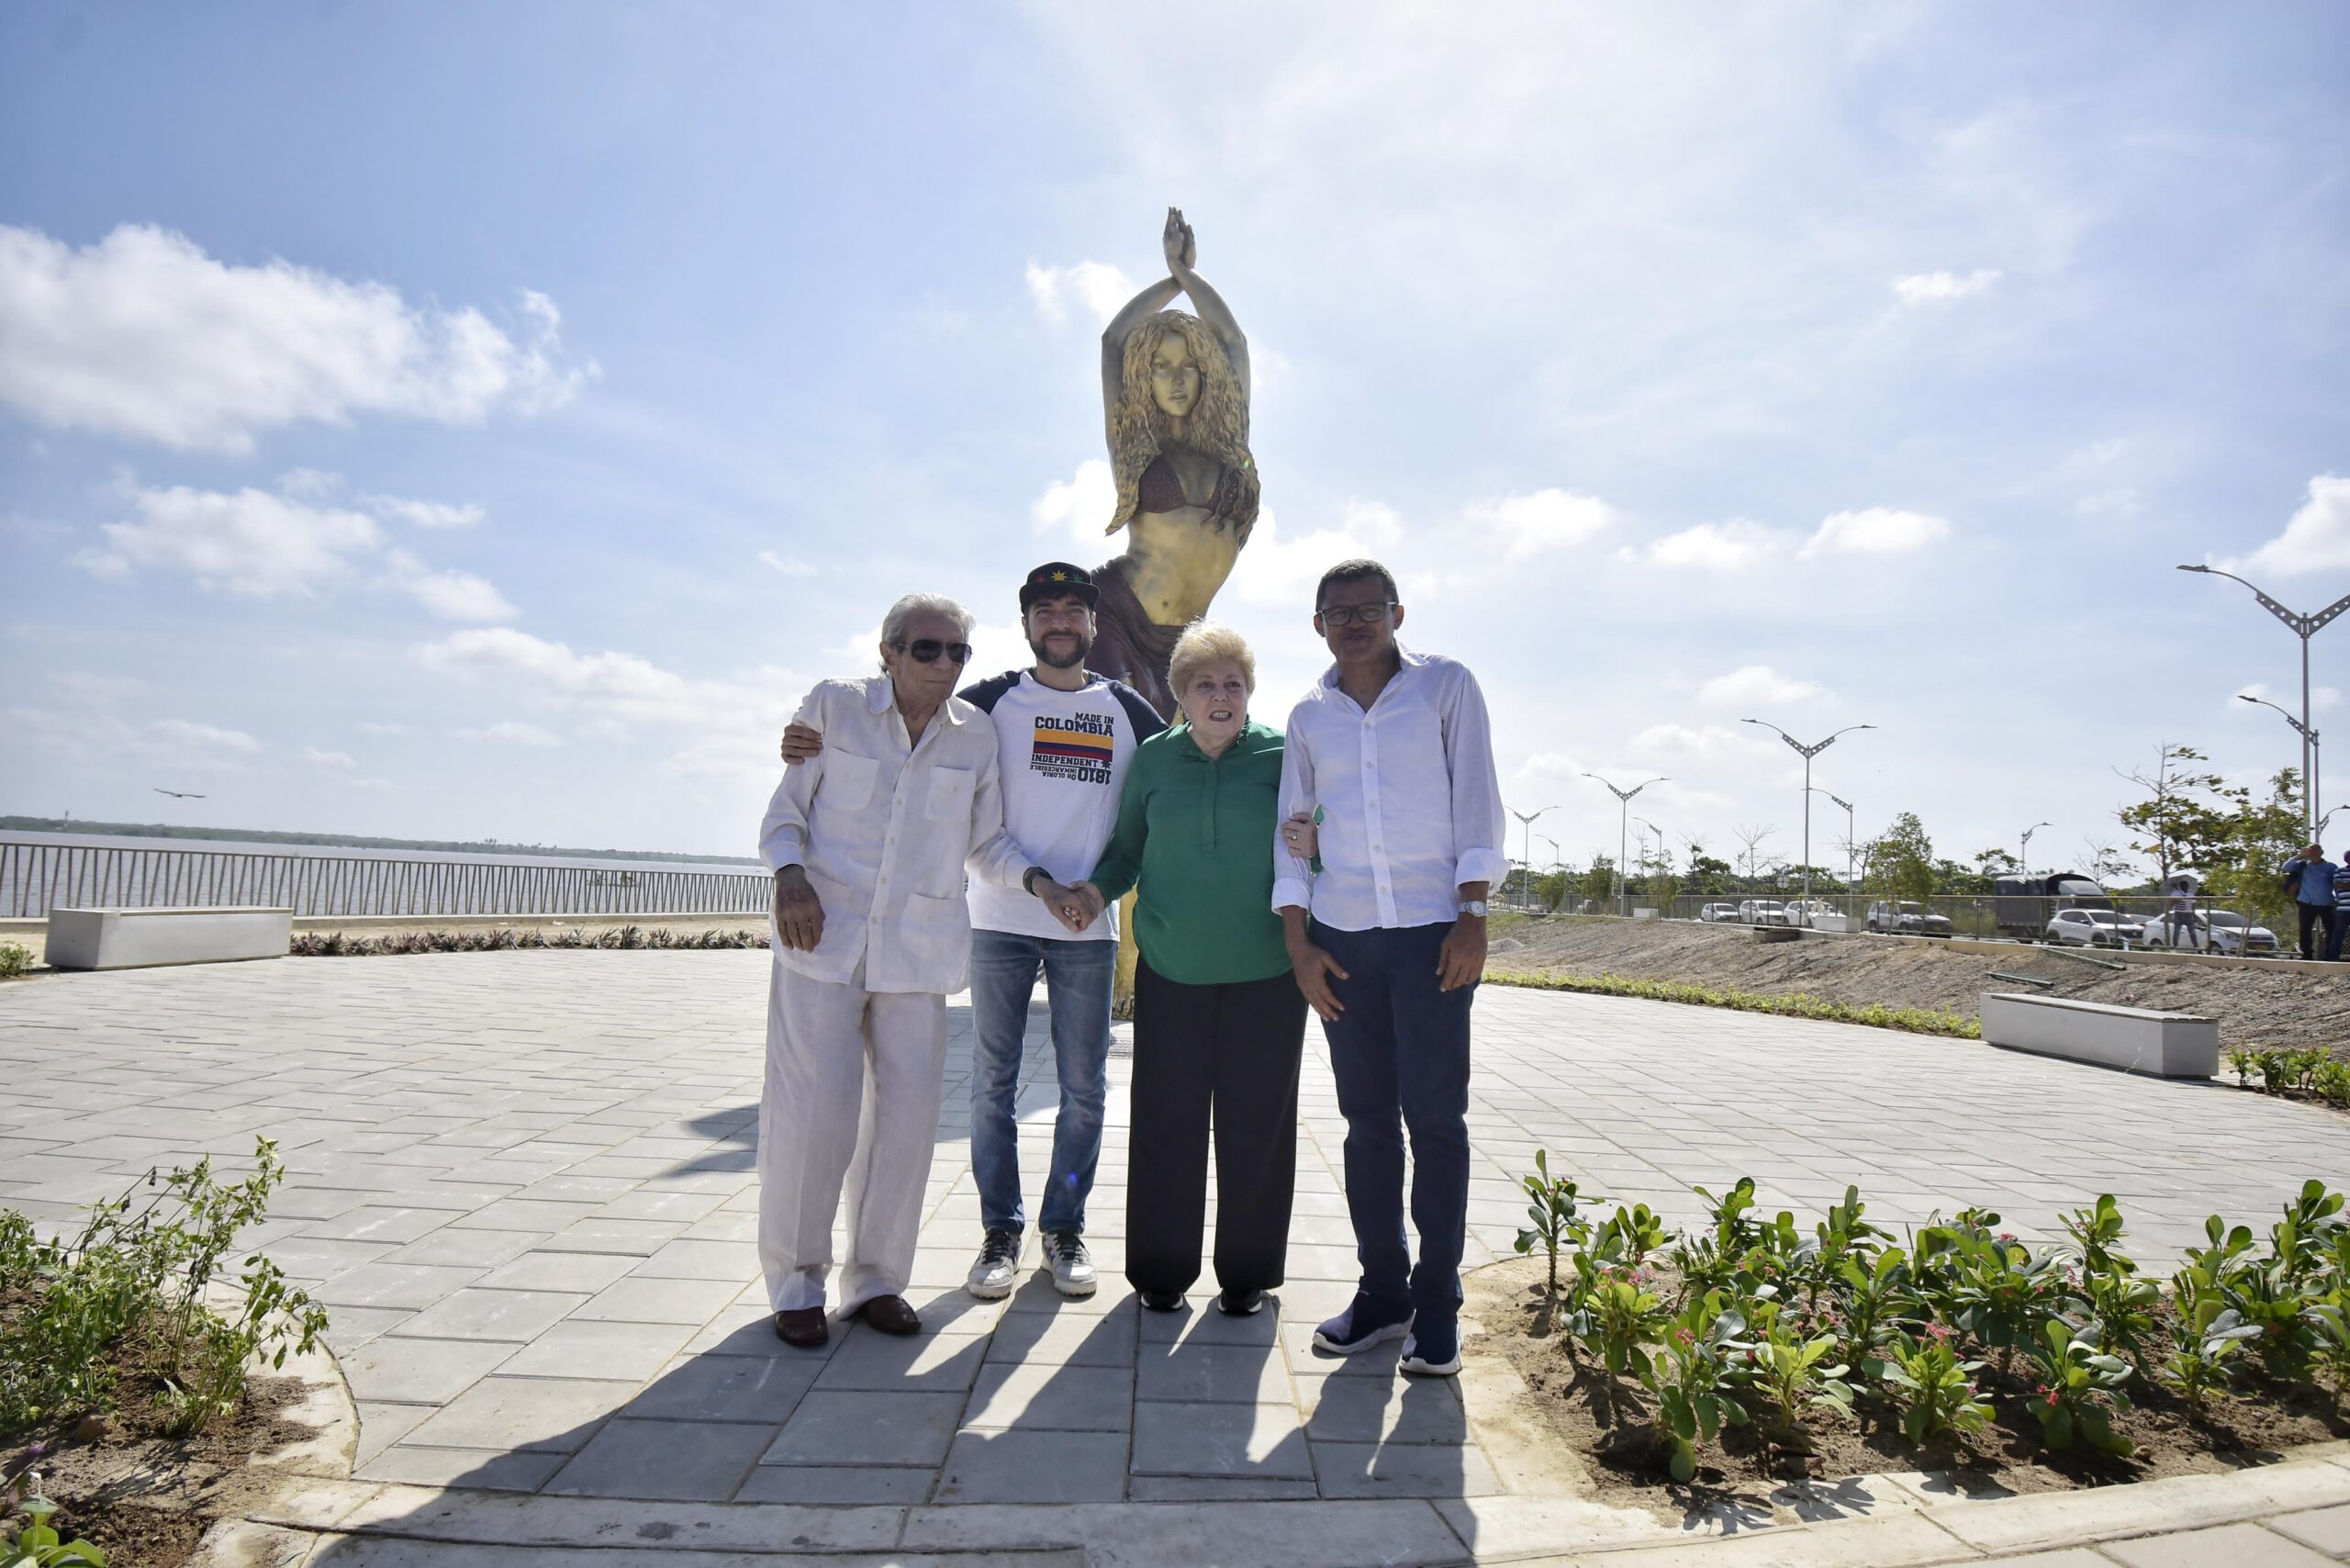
{"x":524,"y":1183}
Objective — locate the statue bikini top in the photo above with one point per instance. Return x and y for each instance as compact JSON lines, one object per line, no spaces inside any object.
{"x":1160,"y":490}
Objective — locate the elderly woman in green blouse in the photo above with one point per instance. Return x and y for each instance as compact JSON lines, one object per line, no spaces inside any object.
{"x":1219,"y":1023}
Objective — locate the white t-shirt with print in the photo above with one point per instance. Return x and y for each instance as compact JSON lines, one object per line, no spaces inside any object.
{"x":1064,"y":757}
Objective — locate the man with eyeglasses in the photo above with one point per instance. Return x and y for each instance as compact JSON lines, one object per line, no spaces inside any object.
{"x":1065,"y":736}
{"x":868,"y":843}
{"x":1383,"y":908}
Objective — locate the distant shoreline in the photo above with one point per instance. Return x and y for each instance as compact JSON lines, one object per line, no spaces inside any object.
{"x":355,"y":841}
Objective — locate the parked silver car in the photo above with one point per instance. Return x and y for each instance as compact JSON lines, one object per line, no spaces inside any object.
{"x":2094,"y":928}
{"x":1762,"y":912}
{"x":1718,"y":913}
{"x":1909,"y":918}
{"x":2210,"y":930}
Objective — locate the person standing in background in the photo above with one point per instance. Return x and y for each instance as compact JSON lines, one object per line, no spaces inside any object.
{"x":2309,"y":877}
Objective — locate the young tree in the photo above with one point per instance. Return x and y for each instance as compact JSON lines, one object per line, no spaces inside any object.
{"x":2246,"y":870}
{"x":1751,"y":838}
{"x":2101,"y":860}
{"x":1599,"y":882}
{"x":1993,"y":864}
{"x":1903,"y":857}
{"x":2171,"y":826}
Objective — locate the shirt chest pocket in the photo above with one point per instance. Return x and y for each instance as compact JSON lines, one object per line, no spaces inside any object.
{"x":849,"y":780}
{"x":950,"y":793}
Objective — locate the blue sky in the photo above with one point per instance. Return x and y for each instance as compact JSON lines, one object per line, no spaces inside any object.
{"x":462,"y":420}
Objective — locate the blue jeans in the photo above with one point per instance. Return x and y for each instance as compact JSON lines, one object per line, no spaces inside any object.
{"x":1400,"y":1052}
{"x":1076,"y":985}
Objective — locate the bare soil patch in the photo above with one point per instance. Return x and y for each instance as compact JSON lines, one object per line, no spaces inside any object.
{"x":2255,"y":1007}
{"x":1605,"y":1423}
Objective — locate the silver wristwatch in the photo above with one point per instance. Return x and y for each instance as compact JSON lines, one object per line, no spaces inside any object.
{"x":1474,"y":906}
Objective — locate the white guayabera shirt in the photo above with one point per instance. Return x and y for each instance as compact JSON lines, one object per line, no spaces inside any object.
{"x":1411,"y":805}
{"x":884,"y":828}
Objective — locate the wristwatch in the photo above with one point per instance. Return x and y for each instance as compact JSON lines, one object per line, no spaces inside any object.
{"x":1474,"y":906}
{"x":1028,"y":878}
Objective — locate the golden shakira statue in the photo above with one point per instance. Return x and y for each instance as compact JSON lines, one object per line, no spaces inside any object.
{"x":1175,"y":400}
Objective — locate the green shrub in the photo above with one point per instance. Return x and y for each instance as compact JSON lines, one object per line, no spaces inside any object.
{"x":14,"y":959}
{"x":1912,"y":1020}
{"x":500,"y":939}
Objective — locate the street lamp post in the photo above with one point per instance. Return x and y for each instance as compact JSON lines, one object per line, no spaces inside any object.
{"x":1809,"y":752}
{"x":2311,"y":754}
{"x":2024,"y":864}
{"x":1624,"y":833}
{"x":1526,"y":820}
{"x":2304,"y":627}
{"x":1651,"y":867}
{"x":1850,"y":832}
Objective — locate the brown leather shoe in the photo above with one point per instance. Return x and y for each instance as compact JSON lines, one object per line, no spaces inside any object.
{"x":890,"y":1314}
{"x":803,"y":1327}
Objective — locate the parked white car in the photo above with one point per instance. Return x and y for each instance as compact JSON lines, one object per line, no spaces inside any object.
{"x":2094,"y":928}
{"x":2210,"y":930}
{"x":1802,"y":913}
{"x":1762,"y":912}
{"x":1907,"y":918}
{"x":1718,"y":913}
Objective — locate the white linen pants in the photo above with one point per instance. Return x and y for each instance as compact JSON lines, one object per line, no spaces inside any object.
{"x":852,"y":1092}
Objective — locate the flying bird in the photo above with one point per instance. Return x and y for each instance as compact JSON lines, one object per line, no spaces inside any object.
{"x":174,"y":794}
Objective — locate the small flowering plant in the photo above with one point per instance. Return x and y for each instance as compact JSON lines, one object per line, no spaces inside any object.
{"x":1625,"y":1315}
{"x":1793,"y":1373}
{"x":1933,"y":1389}
{"x":1691,"y":1374}
{"x":2075,"y":1405}
{"x":38,"y":1545}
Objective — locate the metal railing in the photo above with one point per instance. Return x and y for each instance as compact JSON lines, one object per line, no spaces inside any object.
{"x":35,"y":878}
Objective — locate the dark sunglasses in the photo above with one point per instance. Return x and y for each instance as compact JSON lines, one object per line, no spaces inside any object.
{"x":926,"y":650}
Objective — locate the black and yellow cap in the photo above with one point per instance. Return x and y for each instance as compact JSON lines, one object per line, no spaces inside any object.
{"x":1054,"y":578}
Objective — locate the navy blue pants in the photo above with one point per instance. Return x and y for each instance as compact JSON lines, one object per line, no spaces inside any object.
{"x":1400,"y":1052}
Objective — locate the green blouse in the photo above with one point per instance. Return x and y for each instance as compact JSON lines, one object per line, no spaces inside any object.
{"x":1197,"y":833}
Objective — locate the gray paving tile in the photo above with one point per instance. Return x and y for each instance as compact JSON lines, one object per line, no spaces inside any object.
{"x":860,"y":1428}
{"x":420,"y":1372}
{"x":415,"y":1285}
{"x":1220,"y":1439}
{"x":586,"y":1272}
{"x":553,"y":1413}
{"x":482,"y":1469}
{"x":833,"y":1484}
{"x":634,"y":1300}
{"x":1045,"y":1396}
{"x":929,"y":1361}
{"x":727,"y":1388}
{"x":699,"y":1461}
{"x":477,"y":1313}
{"x":1242,"y":1374}
{"x":1395,"y":1470}
{"x":1032,"y":1467}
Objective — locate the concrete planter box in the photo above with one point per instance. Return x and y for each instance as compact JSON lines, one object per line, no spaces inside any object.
{"x":2136,"y":1039}
{"x":1841,"y":924}
{"x":141,"y":938}
{"x":1644,"y":915}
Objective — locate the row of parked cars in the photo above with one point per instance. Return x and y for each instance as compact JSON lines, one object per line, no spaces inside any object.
{"x":2197,"y":931}
{"x":1900,"y":917}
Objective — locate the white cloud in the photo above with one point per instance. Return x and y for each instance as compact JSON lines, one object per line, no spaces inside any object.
{"x":251,"y":543}
{"x":1758,"y":685}
{"x":99,"y":739}
{"x":182,"y":735}
{"x":1079,"y":507}
{"x":2119,"y":504}
{"x":2316,"y":539}
{"x":143,"y":335}
{"x":1876,"y":531}
{"x":2321,"y":697}
{"x":787,"y":566}
{"x":1732,"y":546}
{"x":424,"y":514}
{"x":379,"y":727}
{"x":456,"y":595}
{"x":319,"y":757}
{"x":1940,"y":288}
{"x":509,"y":731}
{"x":1279,"y":573}
{"x":1098,"y":287}
{"x":1547,"y":520}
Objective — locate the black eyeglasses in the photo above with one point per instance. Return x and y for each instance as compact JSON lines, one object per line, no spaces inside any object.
{"x":926,"y":650}
{"x":1348,"y":614}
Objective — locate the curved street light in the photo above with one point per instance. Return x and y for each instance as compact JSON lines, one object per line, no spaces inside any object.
{"x":1809,"y":752}
{"x":2311,"y":754}
{"x":2023,"y":862}
{"x":1526,"y":820}
{"x":1849,"y":833}
{"x":1624,"y":831}
{"x":2304,"y":627}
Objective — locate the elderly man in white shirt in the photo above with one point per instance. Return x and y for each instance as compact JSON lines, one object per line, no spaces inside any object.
{"x":868,"y":843}
{"x":1383,"y":908}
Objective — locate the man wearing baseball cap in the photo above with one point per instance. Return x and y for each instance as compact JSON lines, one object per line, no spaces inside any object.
{"x":1065,"y":736}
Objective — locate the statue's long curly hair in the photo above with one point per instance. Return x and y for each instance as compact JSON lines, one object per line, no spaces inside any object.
{"x":1218,"y":427}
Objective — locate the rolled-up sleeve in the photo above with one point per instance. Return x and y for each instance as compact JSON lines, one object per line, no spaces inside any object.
{"x":1292,"y":878}
{"x":1477,"y":825}
{"x":783,"y":837}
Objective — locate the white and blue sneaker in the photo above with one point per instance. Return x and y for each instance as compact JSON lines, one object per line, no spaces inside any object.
{"x":1364,"y":1324}
{"x":1432,"y":1350}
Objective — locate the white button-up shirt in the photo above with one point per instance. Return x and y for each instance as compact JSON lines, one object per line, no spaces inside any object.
{"x":1410,"y":804}
{"x":884,"y":828}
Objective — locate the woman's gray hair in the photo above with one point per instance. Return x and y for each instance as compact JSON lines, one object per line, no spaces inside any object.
{"x":893,"y":625}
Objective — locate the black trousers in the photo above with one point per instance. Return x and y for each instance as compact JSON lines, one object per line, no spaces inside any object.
{"x":1225,"y":1055}
{"x":2317,"y":922}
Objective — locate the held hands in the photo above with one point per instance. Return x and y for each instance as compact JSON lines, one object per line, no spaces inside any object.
{"x":799,"y":743}
{"x":1075,"y":907}
{"x":799,"y":914}
{"x":1313,"y":968}
{"x":1299,"y":837}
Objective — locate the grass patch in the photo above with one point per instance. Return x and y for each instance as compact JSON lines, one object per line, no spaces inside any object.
{"x":1911,"y":1020}
{"x":14,"y":959}
{"x":338,"y":944}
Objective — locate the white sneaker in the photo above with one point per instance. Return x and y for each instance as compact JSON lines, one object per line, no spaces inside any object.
{"x":991,"y":1275}
{"x":1072,"y":1265}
